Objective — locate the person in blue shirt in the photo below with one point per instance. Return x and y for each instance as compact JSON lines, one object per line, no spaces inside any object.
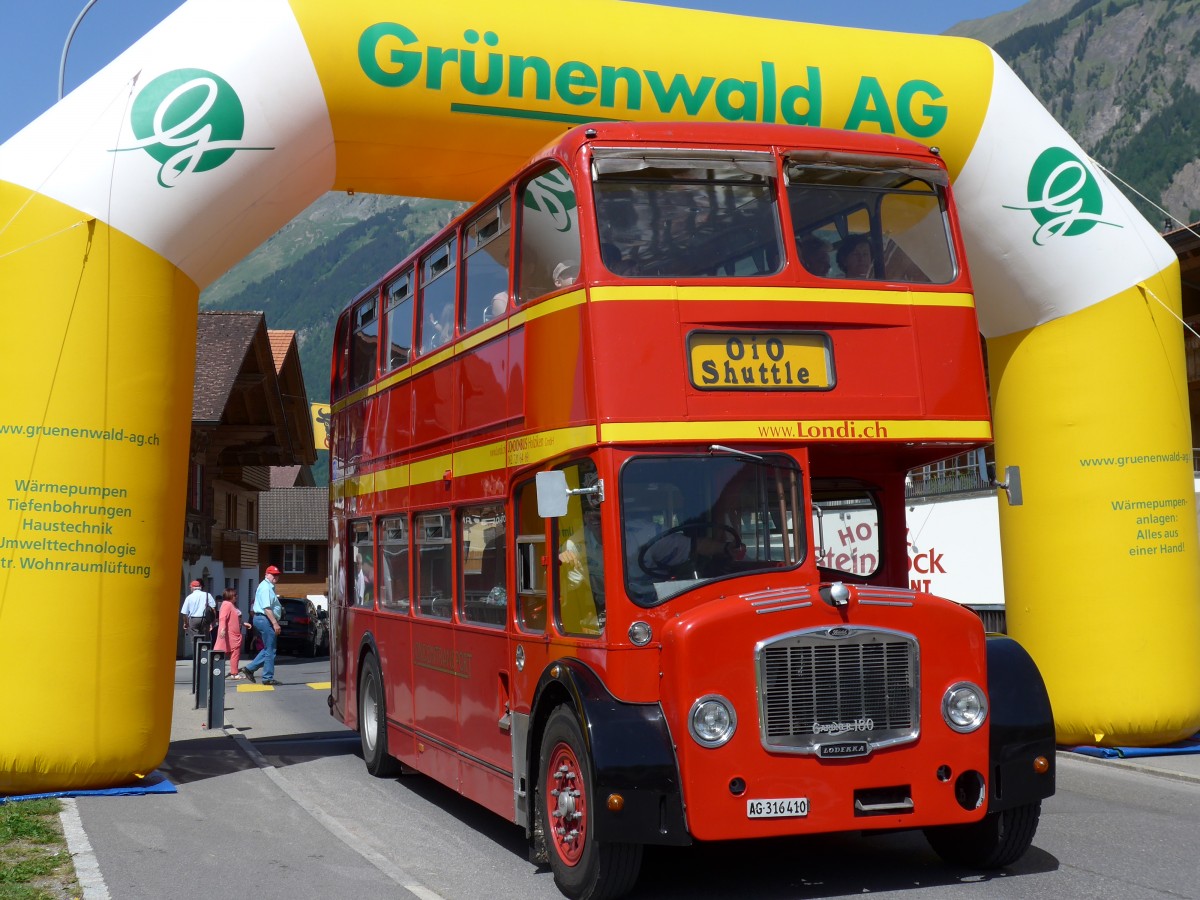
{"x":266,"y":611}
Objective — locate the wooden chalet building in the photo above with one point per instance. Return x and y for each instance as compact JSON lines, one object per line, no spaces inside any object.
{"x":250,"y":412}
{"x":294,"y":537}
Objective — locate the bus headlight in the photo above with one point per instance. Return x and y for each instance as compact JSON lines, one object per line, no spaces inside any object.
{"x":712,"y":721}
{"x":964,"y":707}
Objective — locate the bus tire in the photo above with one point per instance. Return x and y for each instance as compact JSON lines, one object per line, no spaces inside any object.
{"x":999,"y":840}
{"x":372,"y":721}
{"x":584,"y":868}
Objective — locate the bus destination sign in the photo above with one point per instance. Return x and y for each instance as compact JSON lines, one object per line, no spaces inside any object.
{"x":760,"y":360}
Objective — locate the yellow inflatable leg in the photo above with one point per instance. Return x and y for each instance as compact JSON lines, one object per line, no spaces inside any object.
{"x":1106,"y":539}
{"x":97,"y":387}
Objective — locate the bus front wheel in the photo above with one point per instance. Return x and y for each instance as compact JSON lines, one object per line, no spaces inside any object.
{"x":998,"y":840}
{"x":372,"y":722}
{"x":584,"y":868}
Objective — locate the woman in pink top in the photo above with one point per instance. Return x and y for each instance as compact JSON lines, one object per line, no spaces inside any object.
{"x":229,"y":632}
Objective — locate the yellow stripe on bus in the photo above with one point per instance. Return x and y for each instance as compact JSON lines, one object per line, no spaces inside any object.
{"x":779,"y":295}
{"x":495,"y":456}
{"x":553,"y":305}
{"x":464,"y":345}
{"x":803,"y":430}
{"x":530,"y":449}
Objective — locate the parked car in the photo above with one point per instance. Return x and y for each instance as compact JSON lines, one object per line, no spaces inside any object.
{"x":304,"y":629}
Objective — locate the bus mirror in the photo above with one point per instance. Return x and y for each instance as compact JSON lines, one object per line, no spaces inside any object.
{"x":1011,"y":485}
{"x":551,"y":494}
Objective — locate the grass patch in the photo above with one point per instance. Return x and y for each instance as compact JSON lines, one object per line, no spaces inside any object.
{"x":34,"y":861}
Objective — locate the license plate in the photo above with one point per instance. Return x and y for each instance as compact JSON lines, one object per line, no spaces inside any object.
{"x":777,"y":809}
{"x":760,"y":361}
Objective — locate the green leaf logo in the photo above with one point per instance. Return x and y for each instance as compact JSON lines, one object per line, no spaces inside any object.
{"x":552,"y":195}
{"x":1064,"y":196}
{"x":190,"y":121}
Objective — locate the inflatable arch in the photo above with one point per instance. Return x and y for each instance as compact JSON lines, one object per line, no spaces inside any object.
{"x":141,"y":187}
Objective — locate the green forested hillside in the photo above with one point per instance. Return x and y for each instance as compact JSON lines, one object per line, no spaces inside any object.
{"x":304,"y":287}
{"x":1121,"y":76}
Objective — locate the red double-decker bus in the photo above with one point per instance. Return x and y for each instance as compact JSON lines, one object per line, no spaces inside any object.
{"x":617,"y":504}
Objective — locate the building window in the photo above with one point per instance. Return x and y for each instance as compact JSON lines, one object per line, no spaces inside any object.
{"x":293,"y":559}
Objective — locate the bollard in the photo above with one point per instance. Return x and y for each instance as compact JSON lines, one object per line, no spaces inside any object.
{"x":203,"y":649}
{"x":216,"y":690}
{"x":196,"y":639}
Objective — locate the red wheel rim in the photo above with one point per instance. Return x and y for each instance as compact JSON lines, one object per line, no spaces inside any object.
{"x":566,"y":805}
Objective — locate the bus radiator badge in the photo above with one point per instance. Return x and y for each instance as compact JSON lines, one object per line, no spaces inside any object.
{"x":843,"y":749}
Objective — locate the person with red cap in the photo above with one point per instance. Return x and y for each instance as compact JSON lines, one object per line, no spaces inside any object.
{"x":267,"y":612}
{"x":193,"y":609}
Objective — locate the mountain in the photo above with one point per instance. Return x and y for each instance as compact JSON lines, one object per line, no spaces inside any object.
{"x":307,"y":272}
{"x":1122,"y":76}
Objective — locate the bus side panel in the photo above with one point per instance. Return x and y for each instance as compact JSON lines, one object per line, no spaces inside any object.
{"x":483,"y":694}
{"x":395,"y":417}
{"x":631,"y":352}
{"x":394,"y":635}
{"x":482,"y":383}
{"x":350,"y":438}
{"x":484,"y":697}
{"x":516,"y":373}
{"x":555,"y":389}
{"x":950,"y":355}
{"x":434,"y":699}
{"x":433,"y":404}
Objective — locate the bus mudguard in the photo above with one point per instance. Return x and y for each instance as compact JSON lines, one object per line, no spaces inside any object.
{"x":631,"y":753}
{"x":1022,"y":726}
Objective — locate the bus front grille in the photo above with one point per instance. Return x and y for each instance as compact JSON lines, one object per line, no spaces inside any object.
{"x":838,"y":691}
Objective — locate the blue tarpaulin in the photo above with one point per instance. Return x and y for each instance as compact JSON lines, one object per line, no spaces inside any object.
{"x":1188,"y":745}
{"x":154,"y":783}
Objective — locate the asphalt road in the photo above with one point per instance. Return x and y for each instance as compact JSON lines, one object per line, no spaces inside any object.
{"x":286,"y":809}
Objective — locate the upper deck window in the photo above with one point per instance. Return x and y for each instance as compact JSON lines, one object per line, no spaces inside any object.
{"x":549,"y":243}
{"x":438,"y":289}
{"x":364,"y":344}
{"x":398,"y":299}
{"x":690,"y":215}
{"x":870,"y":218}
{"x":485,"y":257}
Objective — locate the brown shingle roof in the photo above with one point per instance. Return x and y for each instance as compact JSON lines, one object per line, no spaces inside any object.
{"x":222,"y":341}
{"x":298,"y":514}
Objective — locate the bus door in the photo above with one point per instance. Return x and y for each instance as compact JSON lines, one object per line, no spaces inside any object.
{"x":560,"y":583}
{"x":481,"y":659}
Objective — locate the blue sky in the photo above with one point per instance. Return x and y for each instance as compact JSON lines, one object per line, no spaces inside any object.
{"x":32,"y":34}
